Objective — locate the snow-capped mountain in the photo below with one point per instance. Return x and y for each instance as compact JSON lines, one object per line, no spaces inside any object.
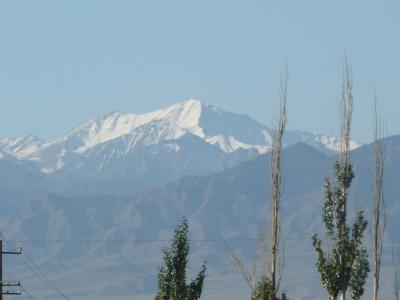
{"x":3,"y":155}
{"x":21,"y":147}
{"x":188,"y":138}
{"x":229,"y":132}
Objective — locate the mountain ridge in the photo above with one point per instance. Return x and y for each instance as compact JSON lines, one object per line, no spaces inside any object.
{"x":231,"y":204}
{"x":186,"y":138}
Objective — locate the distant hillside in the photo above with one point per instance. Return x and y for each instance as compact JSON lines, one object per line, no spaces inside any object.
{"x":231,"y":204}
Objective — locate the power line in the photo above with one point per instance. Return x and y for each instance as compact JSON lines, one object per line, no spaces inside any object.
{"x":22,"y":287}
{"x":121,"y":241}
{"x":94,"y":241}
{"x":40,"y":274}
{"x":50,"y":284}
{"x":10,"y":285}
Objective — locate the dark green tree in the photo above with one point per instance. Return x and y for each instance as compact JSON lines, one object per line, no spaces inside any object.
{"x":172,"y":275}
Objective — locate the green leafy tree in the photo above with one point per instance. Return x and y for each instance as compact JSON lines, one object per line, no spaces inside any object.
{"x":343,"y":263}
{"x":264,"y":290}
{"x":172,"y":276}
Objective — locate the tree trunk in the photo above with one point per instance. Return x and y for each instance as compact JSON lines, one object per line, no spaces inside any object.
{"x":276,"y":183}
{"x":343,"y":296}
{"x":379,"y":204}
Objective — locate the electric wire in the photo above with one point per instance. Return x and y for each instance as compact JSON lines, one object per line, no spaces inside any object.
{"x":30,"y":296}
{"x":45,"y":276}
{"x":41,"y":275}
{"x":38,"y":272}
{"x":133,"y":241}
{"x":95,"y":241}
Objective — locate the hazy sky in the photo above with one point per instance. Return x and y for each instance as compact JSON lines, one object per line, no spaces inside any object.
{"x":62,"y":62}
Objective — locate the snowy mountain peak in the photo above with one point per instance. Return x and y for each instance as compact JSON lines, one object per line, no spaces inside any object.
{"x":179,"y":118}
{"x":21,"y":147}
{"x":117,"y":135}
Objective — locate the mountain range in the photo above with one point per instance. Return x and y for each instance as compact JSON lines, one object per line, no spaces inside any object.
{"x":127,"y":152}
{"x":102,"y":237}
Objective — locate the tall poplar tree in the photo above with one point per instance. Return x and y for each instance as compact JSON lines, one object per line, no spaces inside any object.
{"x":267,"y":285}
{"x":172,"y":276}
{"x":379,"y":225}
{"x":343,"y":262}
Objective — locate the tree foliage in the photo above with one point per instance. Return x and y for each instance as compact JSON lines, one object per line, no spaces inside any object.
{"x":345,"y":264}
{"x":172,"y":275}
{"x":264,"y":290}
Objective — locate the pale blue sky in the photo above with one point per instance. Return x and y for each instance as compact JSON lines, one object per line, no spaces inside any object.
{"x":62,"y":62}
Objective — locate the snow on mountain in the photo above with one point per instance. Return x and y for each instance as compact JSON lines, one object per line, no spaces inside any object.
{"x":228,"y":132}
{"x":324,"y":143}
{"x":171,"y":123}
{"x":215,"y":127}
{"x":21,"y":147}
{"x":4,"y":156}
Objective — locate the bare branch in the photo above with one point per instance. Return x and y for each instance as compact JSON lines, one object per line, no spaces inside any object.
{"x":346,"y":104}
{"x":379,"y":203}
{"x":237,"y":262}
{"x":270,"y":261}
{"x":276,"y":179}
{"x":281,"y":267}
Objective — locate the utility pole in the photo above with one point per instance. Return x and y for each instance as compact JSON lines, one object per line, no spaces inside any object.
{"x":7,"y":283}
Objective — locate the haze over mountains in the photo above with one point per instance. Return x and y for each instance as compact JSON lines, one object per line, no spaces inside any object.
{"x":95,"y":208}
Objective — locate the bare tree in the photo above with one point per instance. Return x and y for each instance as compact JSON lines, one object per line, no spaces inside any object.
{"x":342,"y":263}
{"x":346,"y":107}
{"x":248,"y":277}
{"x":379,"y":203}
{"x":276,"y":182}
{"x":270,"y":252}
